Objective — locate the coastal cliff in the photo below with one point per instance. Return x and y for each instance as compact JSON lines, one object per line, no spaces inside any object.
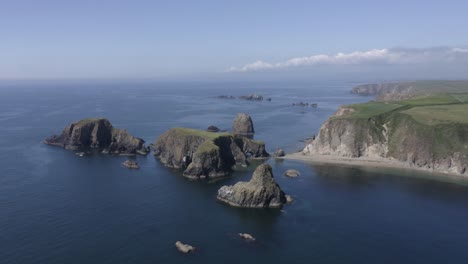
{"x":98,"y":133}
{"x":205,"y":154}
{"x":429,"y":132}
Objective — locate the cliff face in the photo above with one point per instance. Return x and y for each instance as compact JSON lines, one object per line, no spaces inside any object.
{"x":97,"y":133}
{"x":386,"y":91}
{"x":396,"y":136}
{"x":261,"y":191}
{"x":203,"y":154}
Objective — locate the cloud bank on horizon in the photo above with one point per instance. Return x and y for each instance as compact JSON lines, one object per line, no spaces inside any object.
{"x":393,"y":56}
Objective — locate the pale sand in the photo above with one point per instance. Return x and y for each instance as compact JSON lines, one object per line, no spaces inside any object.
{"x":363,"y":161}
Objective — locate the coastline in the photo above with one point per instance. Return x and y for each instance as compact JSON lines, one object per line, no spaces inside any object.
{"x":366,"y":162}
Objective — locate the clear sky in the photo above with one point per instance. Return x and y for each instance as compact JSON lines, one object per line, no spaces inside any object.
{"x":48,"y":39}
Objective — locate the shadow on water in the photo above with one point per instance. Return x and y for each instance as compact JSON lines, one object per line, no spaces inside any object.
{"x":423,"y":184}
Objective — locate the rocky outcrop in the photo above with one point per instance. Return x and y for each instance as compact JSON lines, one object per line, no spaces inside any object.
{"x":303,"y":104}
{"x":130,"y":164}
{"x":98,"y":133}
{"x":279,"y":153}
{"x":184,"y":248}
{"x":243,"y":124}
{"x":349,"y":138}
{"x":212,"y":129}
{"x":292,"y":173}
{"x":247,"y":237}
{"x":261,"y":191}
{"x":252,"y":97}
{"x":203,"y":154}
{"x":394,"y":136}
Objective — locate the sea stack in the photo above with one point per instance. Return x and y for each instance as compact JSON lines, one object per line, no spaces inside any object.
{"x":98,"y":133}
{"x":243,"y":124}
{"x":204,"y":154}
{"x":261,"y":191}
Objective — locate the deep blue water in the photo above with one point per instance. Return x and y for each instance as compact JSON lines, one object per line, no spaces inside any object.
{"x":59,"y":208}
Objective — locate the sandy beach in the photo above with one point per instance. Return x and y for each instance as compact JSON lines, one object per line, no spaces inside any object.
{"x":363,"y":161}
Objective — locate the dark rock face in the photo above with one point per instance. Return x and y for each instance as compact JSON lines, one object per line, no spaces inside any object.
{"x":202,"y":154}
{"x":212,"y":129}
{"x":98,"y":133}
{"x":243,"y":124}
{"x":261,"y":191}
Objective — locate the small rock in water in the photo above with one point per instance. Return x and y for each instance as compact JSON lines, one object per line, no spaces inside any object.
{"x":131,"y":164}
{"x":184,"y":248}
{"x":289,"y":199}
{"x":279,"y":153}
{"x":247,"y":237}
{"x":292,"y":173}
{"x":81,"y":154}
{"x":212,"y":129}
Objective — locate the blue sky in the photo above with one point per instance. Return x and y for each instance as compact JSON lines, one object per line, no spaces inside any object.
{"x":183,"y":39}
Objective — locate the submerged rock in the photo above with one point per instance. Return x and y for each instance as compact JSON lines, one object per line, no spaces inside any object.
{"x":98,"y":133}
{"x":243,"y":124}
{"x":131,"y":164}
{"x":261,"y":191}
{"x":247,"y":237}
{"x":292,"y":173}
{"x":203,"y":154}
{"x":184,"y":248}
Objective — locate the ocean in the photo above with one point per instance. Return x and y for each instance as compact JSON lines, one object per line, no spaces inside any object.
{"x":57,"y":207}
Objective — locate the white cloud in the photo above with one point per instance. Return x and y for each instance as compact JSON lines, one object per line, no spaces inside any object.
{"x":382,"y":56}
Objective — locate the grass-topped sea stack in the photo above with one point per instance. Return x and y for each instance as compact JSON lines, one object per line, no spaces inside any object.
{"x":98,"y":134}
{"x":205,"y":154}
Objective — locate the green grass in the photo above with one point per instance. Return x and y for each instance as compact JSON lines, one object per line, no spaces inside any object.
{"x":207,"y":147}
{"x":200,"y":133}
{"x":436,"y":99}
{"x":440,"y":114}
{"x":439,"y":86}
{"x":89,"y":120}
{"x":370,"y":109}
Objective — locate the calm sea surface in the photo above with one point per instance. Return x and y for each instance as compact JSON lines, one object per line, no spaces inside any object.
{"x":57,"y":208}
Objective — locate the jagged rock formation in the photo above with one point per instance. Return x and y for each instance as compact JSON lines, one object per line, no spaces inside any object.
{"x":243,"y":124}
{"x":98,"y":133}
{"x":203,"y":154}
{"x":261,"y":191}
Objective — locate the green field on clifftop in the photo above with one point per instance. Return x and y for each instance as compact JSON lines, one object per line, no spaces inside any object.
{"x":440,"y":114}
{"x":429,"y":109}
